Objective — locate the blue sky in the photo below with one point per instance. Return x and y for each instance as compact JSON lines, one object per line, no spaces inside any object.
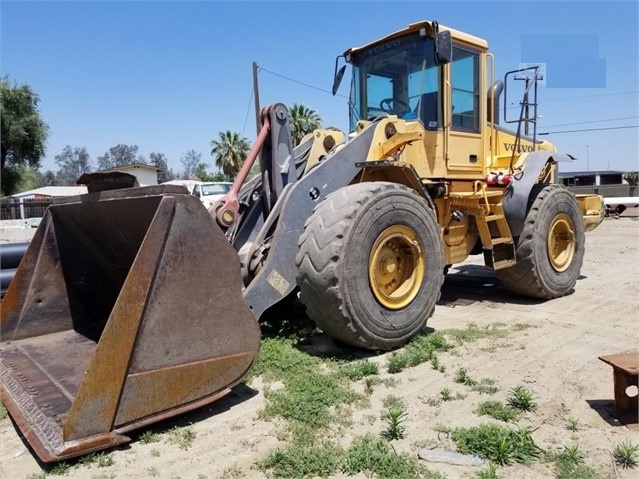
{"x":168,"y":76}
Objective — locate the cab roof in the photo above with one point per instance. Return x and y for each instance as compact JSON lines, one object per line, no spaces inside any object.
{"x":415,"y":27}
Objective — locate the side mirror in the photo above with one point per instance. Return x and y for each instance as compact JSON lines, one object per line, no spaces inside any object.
{"x":443,"y":48}
{"x":338,"y":79}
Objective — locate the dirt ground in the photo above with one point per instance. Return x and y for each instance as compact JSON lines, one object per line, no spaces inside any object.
{"x":557,"y":358}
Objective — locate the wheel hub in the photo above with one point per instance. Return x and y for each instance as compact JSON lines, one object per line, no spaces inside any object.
{"x":396,"y":267}
{"x":561,"y":242}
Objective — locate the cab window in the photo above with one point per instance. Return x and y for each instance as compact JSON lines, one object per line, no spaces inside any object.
{"x":465,"y":89}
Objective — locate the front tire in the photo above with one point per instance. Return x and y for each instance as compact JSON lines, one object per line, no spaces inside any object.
{"x":370,"y":265}
{"x":551,"y":247}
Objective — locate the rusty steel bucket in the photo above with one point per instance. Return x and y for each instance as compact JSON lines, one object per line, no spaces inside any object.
{"x":126,"y":309}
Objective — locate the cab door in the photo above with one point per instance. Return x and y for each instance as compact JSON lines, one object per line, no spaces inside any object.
{"x":465,"y":145}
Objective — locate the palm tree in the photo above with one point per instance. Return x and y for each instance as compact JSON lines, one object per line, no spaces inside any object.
{"x":303,"y":121}
{"x":230,"y":151}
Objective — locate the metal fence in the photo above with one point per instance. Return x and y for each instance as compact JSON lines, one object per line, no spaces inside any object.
{"x":23,"y":208}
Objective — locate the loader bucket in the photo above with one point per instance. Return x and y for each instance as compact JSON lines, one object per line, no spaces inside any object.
{"x":125,"y":310}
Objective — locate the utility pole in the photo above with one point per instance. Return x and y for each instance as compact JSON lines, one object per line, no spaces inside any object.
{"x":256,"y":96}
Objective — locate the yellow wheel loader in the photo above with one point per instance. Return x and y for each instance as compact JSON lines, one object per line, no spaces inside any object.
{"x":132,"y":305}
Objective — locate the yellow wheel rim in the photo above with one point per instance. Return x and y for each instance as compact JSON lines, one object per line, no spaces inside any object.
{"x":561,"y":242}
{"x":396,"y":267}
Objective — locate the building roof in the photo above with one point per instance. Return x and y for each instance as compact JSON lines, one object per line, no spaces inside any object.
{"x":135,"y":165}
{"x":53,"y":191}
{"x":573,"y":174}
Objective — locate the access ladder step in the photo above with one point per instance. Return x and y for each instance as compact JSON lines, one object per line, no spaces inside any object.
{"x":495,"y":217}
{"x":496,"y":241}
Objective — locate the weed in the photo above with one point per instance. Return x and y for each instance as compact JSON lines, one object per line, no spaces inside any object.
{"x":182,"y":437}
{"x":397,"y":362}
{"x":485,"y":386}
{"x":201,"y":476}
{"x":60,"y":469}
{"x":390,"y":382}
{"x":433,"y":402}
{"x":497,"y":410}
{"x":359,"y":369}
{"x":394,"y":417}
{"x":522,"y":399}
{"x":473,"y":332}
{"x":497,"y":443}
{"x":232,"y":473}
{"x":566,"y":470}
{"x":3,"y":411}
{"x":103,"y":475}
{"x":419,"y":350}
{"x":442,"y":428}
{"x":155,"y":452}
{"x":391,"y":401}
{"x":297,"y":461}
{"x":105,"y":460}
{"x":434,"y":361}
{"x":37,"y":475}
{"x":626,"y":454}
{"x":369,"y":382}
{"x":88,"y":459}
{"x":147,"y":437}
{"x":572,"y":424}
{"x":572,"y":455}
{"x":446,"y":394}
{"x":375,"y":457}
{"x":152,"y":472}
{"x":462,"y":377}
{"x":489,"y":473}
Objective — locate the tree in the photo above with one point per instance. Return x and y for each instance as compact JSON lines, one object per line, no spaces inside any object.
{"x":159,"y":160}
{"x":118,"y":155}
{"x":303,"y":121}
{"x":632,"y":177}
{"x":192,"y":163}
{"x":73,"y":162}
{"x":230,"y":151}
{"x":23,"y":132}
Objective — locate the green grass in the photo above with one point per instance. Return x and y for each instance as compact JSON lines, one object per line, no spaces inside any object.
{"x":522,"y":399}
{"x":626,"y":455}
{"x":419,"y":350}
{"x":473,"y":332}
{"x":499,"y":444}
{"x":369,"y":455}
{"x":359,"y":370}
{"x":279,"y":357}
{"x":303,"y":460}
{"x":182,"y":437}
{"x":497,"y":410}
{"x":308,"y":396}
{"x":3,"y":411}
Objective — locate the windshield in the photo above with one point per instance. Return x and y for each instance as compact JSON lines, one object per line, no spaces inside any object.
{"x":216,"y":189}
{"x":398,"y":77}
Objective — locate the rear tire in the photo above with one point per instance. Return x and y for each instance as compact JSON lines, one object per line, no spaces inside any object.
{"x":550,"y":249}
{"x":370,"y":265}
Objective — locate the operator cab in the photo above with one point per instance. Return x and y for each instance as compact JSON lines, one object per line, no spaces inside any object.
{"x":399,"y":75}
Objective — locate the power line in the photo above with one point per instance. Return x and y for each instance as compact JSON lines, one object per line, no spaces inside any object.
{"x":248,"y":109}
{"x":300,"y":83}
{"x":589,"y":129}
{"x":592,"y":121}
{"x":576,"y":97}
